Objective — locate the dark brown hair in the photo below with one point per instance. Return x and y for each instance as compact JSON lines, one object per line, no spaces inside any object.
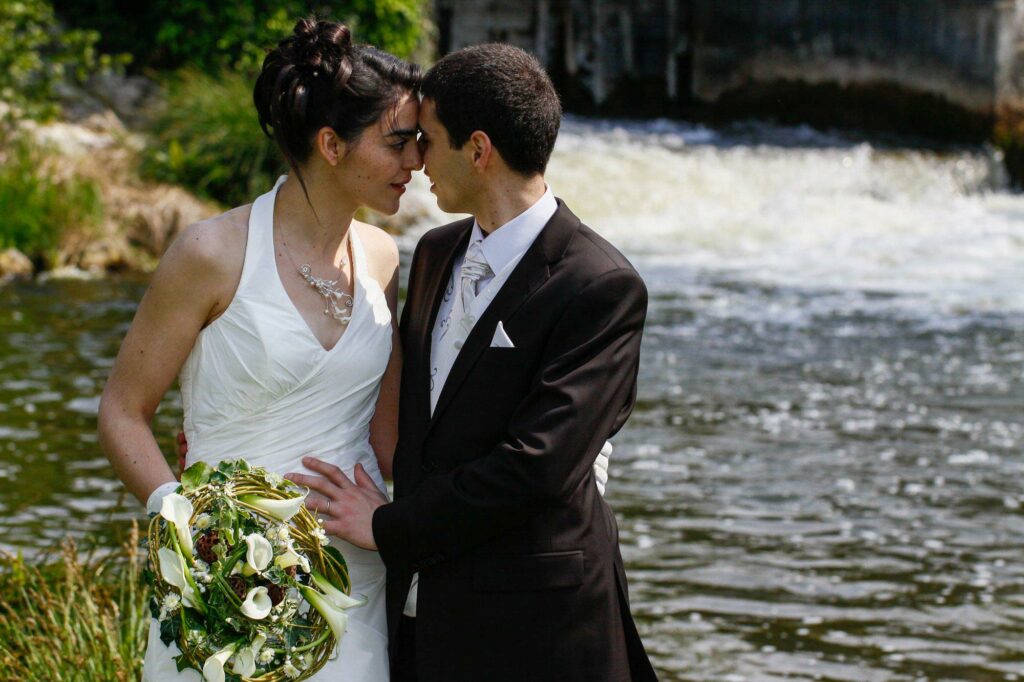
{"x":317,"y":77}
{"x":502,"y":91}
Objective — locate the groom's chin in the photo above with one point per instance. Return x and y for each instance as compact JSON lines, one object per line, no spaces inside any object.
{"x":444,"y":204}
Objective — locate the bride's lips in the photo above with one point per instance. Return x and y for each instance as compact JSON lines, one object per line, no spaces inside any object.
{"x":398,"y":187}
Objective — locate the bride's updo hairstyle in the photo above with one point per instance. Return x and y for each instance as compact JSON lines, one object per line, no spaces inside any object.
{"x":317,"y":77}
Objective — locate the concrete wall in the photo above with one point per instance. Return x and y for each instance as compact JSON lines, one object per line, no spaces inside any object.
{"x":967,"y":53}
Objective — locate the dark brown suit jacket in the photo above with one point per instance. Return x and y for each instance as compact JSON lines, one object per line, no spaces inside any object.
{"x":495,"y":500}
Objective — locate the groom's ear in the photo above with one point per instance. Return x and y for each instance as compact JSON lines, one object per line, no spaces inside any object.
{"x":480,"y":150}
{"x":331,"y":147}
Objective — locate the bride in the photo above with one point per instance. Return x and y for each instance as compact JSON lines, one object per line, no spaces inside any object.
{"x":278,"y":317}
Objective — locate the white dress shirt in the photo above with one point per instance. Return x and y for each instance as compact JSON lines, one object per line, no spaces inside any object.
{"x":503,"y":249}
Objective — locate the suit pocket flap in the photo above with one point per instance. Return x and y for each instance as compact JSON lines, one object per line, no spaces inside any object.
{"x":547,"y":571}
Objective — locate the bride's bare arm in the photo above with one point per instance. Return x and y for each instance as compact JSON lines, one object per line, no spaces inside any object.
{"x":384,"y":426}
{"x":193,"y":284}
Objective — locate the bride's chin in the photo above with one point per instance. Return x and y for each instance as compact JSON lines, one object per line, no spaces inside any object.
{"x":388,"y":209}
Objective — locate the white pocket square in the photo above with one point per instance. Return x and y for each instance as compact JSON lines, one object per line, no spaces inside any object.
{"x":501,"y":339}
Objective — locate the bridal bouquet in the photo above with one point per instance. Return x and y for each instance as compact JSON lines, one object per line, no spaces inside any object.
{"x":245,"y":583}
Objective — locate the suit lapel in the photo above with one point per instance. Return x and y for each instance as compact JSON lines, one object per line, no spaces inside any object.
{"x":434,"y":288}
{"x":532,"y":271}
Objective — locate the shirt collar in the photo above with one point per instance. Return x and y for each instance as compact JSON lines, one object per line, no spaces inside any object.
{"x":511,"y":240}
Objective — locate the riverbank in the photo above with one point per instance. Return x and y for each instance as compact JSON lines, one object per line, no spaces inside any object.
{"x":137,"y":218}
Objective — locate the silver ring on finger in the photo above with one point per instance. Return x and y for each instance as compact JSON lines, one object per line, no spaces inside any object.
{"x":328,"y":510}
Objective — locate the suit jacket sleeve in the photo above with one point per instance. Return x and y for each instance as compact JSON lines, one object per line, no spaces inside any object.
{"x":582,"y":394}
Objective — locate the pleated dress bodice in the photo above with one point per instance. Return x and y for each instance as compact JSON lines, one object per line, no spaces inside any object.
{"x":259,"y":385}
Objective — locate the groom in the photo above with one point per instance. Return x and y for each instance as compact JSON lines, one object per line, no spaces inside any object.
{"x":521,"y":336}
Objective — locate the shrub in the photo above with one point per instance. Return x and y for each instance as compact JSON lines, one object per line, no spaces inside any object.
{"x":233,"y":34}
{"x":36,"y":55}
{"x":36,"y":209}
{"x":207,"y":138}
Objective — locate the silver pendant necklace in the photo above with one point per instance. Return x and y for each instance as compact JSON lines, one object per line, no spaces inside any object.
{"x":337,"y":303}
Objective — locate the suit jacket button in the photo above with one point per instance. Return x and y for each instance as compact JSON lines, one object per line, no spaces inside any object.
{"x":428,"y":465}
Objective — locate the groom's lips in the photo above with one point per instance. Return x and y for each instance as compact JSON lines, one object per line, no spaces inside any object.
{"x":398,"y":187}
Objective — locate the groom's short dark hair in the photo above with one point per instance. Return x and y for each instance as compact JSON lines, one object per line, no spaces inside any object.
{"x":502,"y":91}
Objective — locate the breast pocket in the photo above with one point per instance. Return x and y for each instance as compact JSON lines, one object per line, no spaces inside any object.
{"x":532,"y":572}
{"x":504,"y":356}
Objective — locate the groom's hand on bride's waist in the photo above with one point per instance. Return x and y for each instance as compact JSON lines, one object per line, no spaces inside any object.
{"x":182,"y":452}
{"x":346,"y":505}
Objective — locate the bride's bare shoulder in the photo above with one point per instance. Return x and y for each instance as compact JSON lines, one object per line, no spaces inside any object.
{"x":218,"y":242}
{"x":220,"y":237}
{"x":211,"y":252}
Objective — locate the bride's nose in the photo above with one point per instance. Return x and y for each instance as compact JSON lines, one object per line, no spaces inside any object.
{"x":412,"y":158}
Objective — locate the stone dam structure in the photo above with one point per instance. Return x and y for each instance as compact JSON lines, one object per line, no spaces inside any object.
{"x":948,"y":69}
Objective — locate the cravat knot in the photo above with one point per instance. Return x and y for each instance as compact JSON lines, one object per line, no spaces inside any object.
{"x":475,"y":266}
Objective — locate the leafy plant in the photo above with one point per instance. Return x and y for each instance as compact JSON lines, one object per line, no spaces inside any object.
{"x":208,"y":138}
{"x":234,"y":34}
{"x":36,"y":55}
{"x":36,"y":209}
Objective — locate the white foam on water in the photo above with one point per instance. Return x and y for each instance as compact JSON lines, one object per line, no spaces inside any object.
{"x":809,"y":210}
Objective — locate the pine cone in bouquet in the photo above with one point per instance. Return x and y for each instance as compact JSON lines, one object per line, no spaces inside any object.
{"x":205,"y":544}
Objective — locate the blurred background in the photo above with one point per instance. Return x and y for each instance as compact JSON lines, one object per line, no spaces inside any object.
{"x":822,"y":478}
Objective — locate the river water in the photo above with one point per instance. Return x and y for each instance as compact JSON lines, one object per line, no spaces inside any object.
{"x":822,"y":478}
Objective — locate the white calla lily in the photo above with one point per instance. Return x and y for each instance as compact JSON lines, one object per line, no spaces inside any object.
{"x":245,"y":663}
{"x":282,"y":510}
{"x":177,"y":510}
{"x":245,"y":659}
{"x":258,"y":555}
{"x":335,"y":616}
{"x":332,"y":593}
{"x":172,"y":569}
{"x":257,"y":604}
{"x":292,"y":558}
{"x":213,"y":668}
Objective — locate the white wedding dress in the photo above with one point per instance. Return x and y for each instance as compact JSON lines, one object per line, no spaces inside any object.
{"x":258,"y":385}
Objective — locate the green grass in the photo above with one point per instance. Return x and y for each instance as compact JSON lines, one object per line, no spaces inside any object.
{"x":36,"y":209}
{"x":207,"y":137}
{"x":75,"y":619}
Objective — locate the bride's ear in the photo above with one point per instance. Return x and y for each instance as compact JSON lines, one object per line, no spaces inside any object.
{"x":329,"y":146}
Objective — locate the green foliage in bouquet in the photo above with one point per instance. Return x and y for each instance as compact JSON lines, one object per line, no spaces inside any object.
{"x":246,"y":584}
{"x":36,"y":55}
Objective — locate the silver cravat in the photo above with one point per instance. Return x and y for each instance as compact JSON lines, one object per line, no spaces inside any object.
{"x":474,"y":268}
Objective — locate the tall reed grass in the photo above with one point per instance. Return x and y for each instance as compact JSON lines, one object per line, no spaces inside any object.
{"x":75,"y":619}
